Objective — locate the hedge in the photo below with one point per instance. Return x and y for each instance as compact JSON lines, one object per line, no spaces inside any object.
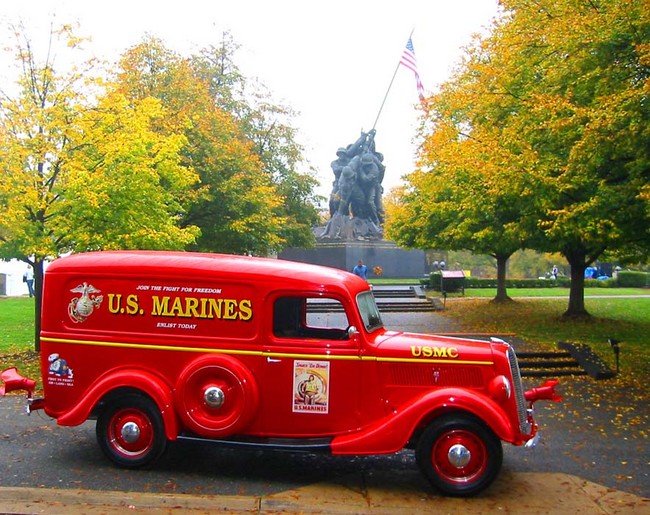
{"x":640,"y":280}
{"x":627,"y":279}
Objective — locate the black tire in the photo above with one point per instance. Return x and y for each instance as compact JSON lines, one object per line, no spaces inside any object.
{"x":459,"y":455}
{"x":130,"y":431}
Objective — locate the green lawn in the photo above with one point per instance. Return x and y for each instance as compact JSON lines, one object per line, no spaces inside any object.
{"x":17,"y":335}
{"x":17,"y":322}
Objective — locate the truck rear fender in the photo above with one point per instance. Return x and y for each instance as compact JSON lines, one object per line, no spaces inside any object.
{"x":131,"y":379}
{"x":393,"y":432}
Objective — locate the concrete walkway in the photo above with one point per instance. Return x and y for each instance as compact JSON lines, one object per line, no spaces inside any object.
{"x":528,"y":493}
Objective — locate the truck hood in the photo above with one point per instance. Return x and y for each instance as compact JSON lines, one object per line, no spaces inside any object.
{"x":405,"y":345}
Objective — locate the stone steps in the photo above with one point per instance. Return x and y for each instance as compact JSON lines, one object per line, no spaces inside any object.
{"x":549,"y":364}
{"x":395,"y":294}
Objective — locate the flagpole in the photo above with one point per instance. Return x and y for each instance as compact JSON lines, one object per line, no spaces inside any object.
{"x":390,"y":85}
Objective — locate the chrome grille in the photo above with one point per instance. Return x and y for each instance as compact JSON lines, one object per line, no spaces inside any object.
{"x":524,"y":426}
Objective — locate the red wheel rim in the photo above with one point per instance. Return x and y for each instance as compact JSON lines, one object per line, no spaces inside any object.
{"x":448,"y":463}
{"x":130,"y":433}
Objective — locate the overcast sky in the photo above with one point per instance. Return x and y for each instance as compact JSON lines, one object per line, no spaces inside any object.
{"x":331,"y":61}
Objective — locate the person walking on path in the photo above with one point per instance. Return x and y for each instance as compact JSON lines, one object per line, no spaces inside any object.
{"x":29,"y":279}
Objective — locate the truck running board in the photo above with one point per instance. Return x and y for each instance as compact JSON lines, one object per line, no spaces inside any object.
{"x":277,"y":444}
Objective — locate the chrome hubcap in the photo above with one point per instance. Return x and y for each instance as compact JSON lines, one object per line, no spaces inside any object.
{"x":130,"y":432}
{"x":214,"y":397}
{"x":459,"y":455}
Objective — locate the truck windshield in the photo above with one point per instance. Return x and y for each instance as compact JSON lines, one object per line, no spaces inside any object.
{"x":369,"y":312}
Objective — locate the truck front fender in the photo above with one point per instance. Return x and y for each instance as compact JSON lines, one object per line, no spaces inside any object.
{"x":142,"y":380}
{"x":392,"y":433}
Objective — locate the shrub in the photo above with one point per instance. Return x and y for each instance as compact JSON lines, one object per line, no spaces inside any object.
{"x":475,"y":282}
{"x":624,"y":280}
{"x":628,"y":279}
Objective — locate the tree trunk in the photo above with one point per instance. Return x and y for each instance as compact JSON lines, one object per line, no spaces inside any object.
{"x":502,"y":291}
{"x":578,"y":262}
{"x":38,"y":298}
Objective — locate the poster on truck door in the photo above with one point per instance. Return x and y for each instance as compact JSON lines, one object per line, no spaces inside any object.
{"x":311,"y":386}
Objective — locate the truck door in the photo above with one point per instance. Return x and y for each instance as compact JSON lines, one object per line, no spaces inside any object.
{"x":312,"y":368}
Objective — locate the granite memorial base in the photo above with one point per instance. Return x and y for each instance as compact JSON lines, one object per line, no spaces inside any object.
{"x":395,"y":262}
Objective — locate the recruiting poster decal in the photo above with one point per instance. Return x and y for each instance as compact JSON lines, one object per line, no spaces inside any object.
{"x":311,"y":386}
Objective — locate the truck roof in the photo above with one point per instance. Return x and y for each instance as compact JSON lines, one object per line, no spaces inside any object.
{"x":187,"y":264}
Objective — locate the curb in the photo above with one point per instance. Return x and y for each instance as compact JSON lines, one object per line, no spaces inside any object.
{"x":539,"y":493}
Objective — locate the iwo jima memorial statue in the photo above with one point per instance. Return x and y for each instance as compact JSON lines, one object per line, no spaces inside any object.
{"x":356,"y":210}
{"x":354,"y":230}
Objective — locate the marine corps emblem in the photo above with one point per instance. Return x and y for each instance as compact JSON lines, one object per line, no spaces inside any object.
{"x":80,"y":308}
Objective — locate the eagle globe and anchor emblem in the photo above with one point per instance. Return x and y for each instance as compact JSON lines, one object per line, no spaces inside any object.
{"x":80,"y":308}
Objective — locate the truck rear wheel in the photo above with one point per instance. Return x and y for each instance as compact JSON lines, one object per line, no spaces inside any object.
{"x":130,"y":431}
{"x":459,"y":455}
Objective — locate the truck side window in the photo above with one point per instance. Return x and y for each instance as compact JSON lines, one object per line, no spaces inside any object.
{"x":287,"y":317}
{"x":309,"y":317}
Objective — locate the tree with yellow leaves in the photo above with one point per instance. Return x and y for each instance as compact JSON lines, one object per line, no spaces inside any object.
{"x":556,"y":101}
{"x":83,"y":173}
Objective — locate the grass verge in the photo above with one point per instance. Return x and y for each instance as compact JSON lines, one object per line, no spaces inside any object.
{"x":17,"y":336}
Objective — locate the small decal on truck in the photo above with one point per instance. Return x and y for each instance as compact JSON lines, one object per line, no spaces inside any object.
{"x":311,"y":386}
{"x":80,"y":308}
{"x":59,"y":372}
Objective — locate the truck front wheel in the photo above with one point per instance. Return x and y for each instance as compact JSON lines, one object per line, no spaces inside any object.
{"x":130,"y":431}
{"x":459,"y":455}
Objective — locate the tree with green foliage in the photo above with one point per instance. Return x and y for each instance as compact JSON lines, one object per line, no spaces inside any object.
{"x":234,"y":202}
{"x":468,"y":193}
{"x":268,"y":126}
{"x":449,"y":210}
{"x":584,"y":69}
{"x":250,"y":197}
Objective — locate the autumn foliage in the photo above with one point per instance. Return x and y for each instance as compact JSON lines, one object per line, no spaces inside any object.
{"x":157,"y":151}
{"x":540,"y":140}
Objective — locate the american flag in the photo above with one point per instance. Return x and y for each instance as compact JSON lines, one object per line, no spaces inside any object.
{"x":408,"y":60}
